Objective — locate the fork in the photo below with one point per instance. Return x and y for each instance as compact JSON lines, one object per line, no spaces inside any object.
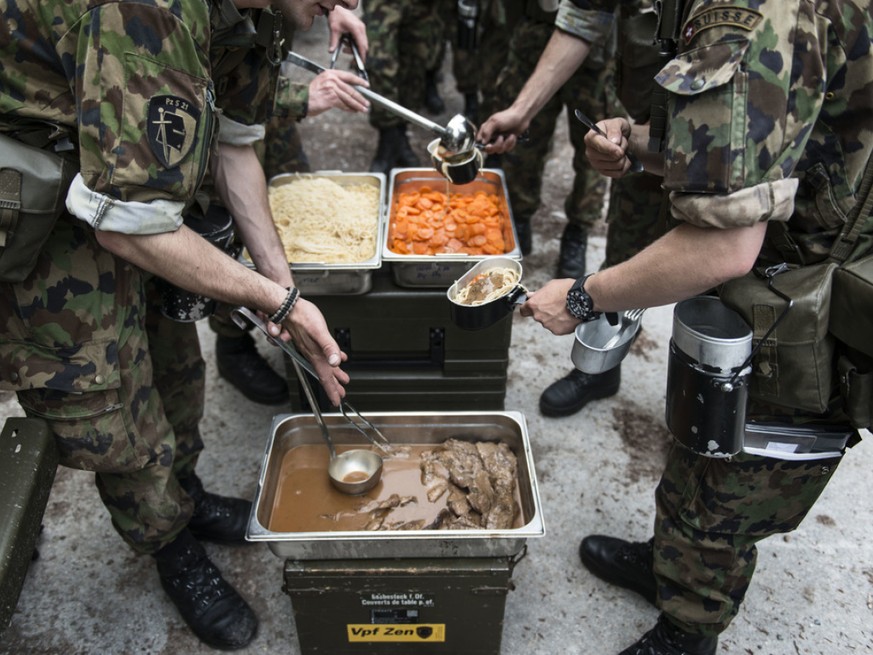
{"x":631,"y":318}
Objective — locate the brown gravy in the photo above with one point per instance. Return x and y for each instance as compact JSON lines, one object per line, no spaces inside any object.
{"x":305,"y":501}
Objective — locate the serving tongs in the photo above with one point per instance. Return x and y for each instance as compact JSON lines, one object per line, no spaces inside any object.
{"x":346,"y":40}
{"x":302,"y":366}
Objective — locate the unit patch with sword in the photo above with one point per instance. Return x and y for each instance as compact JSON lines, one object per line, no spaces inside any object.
{"x":739,"y":17}
{"x":172,"y":126}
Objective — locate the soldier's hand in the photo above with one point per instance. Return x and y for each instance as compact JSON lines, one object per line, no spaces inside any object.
{"x":341,"y":21}
{"x":548,"y":306}
{"x":306,"y":327}
{"x":499,"y":132}
{"x":607,"y":154}
{"x":336,"y":89}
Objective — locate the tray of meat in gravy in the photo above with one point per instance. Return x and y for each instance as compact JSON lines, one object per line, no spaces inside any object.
{"x":455,"y":484}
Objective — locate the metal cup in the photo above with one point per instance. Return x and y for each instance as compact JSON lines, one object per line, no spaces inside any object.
{"x":457,"y":169}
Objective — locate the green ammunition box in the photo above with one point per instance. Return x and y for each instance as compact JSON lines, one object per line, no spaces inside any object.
{"x":28,"y":461}
{"x":452,"y":606}
{"x":406,"y":354}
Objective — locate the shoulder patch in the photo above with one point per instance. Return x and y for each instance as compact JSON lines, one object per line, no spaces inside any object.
{"x":172,"y":126}
{"x":740,"y":17}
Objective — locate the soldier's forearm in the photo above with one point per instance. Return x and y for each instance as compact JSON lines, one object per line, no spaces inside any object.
{"x":563,"y":55}
{"x":240,"y":181}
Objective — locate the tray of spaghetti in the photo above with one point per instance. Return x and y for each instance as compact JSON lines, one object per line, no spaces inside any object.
{"x":435,"y":231}
{"x":331,"y":228}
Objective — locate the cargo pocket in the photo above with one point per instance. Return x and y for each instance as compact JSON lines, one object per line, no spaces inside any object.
{"x":78,"y":391}
{"x":751,"y":496}
{"x":707,"y":139}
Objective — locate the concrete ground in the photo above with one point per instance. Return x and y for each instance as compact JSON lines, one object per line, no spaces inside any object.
{"x":812,"y":593}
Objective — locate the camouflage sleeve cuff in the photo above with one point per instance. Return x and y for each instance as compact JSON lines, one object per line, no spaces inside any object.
{"x":235,"y":133}
{"x":103,"y":212}
{"x":588,"y":24}
{"x":292,"y":99}
{"x":768,"y":201}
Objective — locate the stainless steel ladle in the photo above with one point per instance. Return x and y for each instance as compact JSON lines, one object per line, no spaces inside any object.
{"x":353,"y":471}
{"x":457,"y":137}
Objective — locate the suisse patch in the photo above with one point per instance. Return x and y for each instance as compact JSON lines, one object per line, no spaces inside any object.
{"x":172,"y":126}
{"x":740,"y":17}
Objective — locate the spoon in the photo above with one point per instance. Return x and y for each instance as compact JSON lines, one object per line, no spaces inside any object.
{"x":636,"y":164}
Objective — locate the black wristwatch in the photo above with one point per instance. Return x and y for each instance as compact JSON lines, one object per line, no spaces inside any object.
{"x":579,"y":303}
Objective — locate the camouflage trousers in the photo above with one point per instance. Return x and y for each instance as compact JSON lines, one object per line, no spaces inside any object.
{"x":710,"y":513}
{"x":121,"y":387}
{"x":636,"y":216}
{"x":403,"y":36}
{"x":466,"y":64}
{"x":524,"y":166}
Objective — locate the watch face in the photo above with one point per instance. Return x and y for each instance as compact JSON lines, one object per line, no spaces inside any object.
{"x":579,"y":303}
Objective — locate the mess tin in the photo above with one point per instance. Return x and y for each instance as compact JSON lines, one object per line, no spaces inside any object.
{"x":459,"y":168}
{"x":486,"y":314}
{"x":600,"y":346}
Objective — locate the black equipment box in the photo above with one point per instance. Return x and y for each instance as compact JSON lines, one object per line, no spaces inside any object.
{"x":405,"y":353}
{"x":399,"y":606}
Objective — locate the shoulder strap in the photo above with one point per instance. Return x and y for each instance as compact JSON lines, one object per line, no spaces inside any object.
{"x":845,"y":243}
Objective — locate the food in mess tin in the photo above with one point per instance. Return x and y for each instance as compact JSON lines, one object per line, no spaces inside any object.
{"x":427,"y":222}
{"x":487,"y":286}
{"x":319,"y":220}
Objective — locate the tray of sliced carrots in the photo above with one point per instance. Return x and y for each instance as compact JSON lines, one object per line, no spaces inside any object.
{"x":436,"y":230}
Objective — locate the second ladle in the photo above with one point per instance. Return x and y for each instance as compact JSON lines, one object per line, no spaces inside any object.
{"x":353,"y":471}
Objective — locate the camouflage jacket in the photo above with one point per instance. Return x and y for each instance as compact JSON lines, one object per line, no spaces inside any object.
{"x":141,"y":84}
{"x":769,"y":115}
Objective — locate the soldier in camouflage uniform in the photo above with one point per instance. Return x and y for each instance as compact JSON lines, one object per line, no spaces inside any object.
{"x":136,"y":86}
{"x":634,"y":217}
{"x":281,"y":151}
{"x":403,"y":34}
{"x":524,"y":166}
{"x":466,"y":57}
{"x":769,"y":134}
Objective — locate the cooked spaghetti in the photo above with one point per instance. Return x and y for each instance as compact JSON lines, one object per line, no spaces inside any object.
{"x":319,"y":220}
{"x":486,"y":287}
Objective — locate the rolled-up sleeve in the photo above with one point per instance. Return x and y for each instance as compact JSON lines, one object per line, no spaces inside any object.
{"x":592,"y":21}
{"x":104,"y":212}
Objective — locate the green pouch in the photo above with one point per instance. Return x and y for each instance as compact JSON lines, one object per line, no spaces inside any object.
{"x":856,"y":389}
{"x":33,"y":191}
{"x":852,"y":305}
{"x":794,"y":366}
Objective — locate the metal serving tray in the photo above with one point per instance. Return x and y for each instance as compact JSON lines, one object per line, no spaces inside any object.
{"x":290,"y":430}
{"x":439,"y":271}
{"x":352,"y":278}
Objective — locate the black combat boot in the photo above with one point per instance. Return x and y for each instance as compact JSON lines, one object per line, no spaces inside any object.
{"x":471,"y":107}
{"x":667,"y":639}
{"x":406,"y":158}
{"x":571,"y":259}
{"x":572,"y":392}
{"x":623,"y":563}
{"x":432,"y":100}
{"x":211,"y":607}
{"x":240,"y":363}
{"x":387,"y":151}
{"x":216,"y":518}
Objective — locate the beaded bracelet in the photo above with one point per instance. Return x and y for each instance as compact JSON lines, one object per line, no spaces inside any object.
{"x":286,"y":306}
